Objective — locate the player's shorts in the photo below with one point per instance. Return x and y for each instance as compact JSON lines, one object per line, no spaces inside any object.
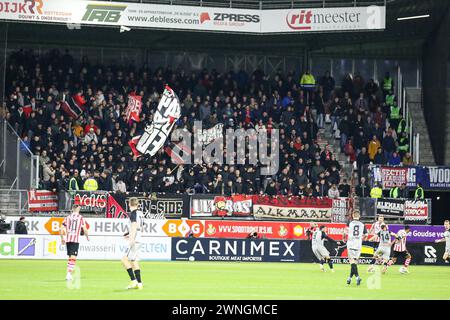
{"x":354,"y":253}
{"x":447,"y":250}
{"x":383,"y":252}
{"x":321,"y":252}
{"x":402,"y":254}
{"x":72,"y":248}
{"x":133,"y":252}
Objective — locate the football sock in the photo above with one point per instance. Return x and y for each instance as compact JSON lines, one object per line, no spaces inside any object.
{"x":407,"y":261}
{"x":131,"y":274}
{"x":355,"y":269}
{"x":390,"y":263}
{"x":138,"y":275}
{"x":352,"y":270}
{"x":322,"y":262}
{"x":71,"y":265}
{"x":330,"y":263}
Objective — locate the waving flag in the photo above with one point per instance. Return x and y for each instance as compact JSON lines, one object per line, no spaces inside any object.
{"x":134,"y":107}
{"x":157,"y":132}
{"x":73,"y":106}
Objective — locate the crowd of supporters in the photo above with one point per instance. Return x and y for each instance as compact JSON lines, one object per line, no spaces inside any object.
{"x":92,"y":152}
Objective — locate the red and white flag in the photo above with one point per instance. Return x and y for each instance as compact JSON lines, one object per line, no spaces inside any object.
{"x":42,"y":200}
{"x":134,"y":107}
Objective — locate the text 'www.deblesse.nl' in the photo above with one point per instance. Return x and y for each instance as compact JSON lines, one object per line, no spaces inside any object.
{"x":225,"y":311}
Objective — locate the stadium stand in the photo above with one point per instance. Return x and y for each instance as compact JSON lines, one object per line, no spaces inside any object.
{"x":360,"y":113}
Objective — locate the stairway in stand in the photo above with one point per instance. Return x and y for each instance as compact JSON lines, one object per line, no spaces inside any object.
{"x":9,"y":201}
{"x":325,"y":137}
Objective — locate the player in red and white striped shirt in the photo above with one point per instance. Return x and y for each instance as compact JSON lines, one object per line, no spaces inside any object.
{"x":400,"y":248}
{"x":72,"y":226}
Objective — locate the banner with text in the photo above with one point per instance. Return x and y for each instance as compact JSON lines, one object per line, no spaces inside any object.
{"x":98,"y":248}
{"x":114,"y":226}
{"x":250,"y":250}
{"x":431,"y":178}
{"x":42,"y":200}
{"x":200,"y":18}
{"x":296,"y":208}
{"x":155,"y":206}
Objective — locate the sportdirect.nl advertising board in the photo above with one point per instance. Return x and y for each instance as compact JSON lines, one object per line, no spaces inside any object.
{"x":142,"y":15}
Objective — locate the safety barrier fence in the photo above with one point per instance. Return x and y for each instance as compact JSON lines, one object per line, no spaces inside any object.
{"x":236,"y":207}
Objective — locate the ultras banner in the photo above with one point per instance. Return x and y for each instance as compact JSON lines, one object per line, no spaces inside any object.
{"x":215,"y":206}
{"x":251,"y":250}
{"x":155,"y":206}
{"x":77,"y":12}
{"x":432,"y":178}
{"x":297,"y":208}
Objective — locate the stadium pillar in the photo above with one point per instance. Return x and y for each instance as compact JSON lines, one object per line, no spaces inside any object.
{"x":434,"y":82}
{"x":3,"y":53}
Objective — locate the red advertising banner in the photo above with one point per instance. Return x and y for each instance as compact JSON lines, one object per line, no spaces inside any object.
{"x":416,"y":211}
{"x":233,"y":206}
{"x":241,"y":229}
{"x":267,"y":229}
{"x":301,"y":208}
{"x":42,"y":200}
{"x":393,"y":176}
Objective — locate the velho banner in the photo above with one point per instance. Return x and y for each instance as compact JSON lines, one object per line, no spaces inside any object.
{"x":251,"y":250}
{"x":98,"y":248}
{"x":431,"y":178}
{"x":91,"y":201}
{"x":193,"y":17}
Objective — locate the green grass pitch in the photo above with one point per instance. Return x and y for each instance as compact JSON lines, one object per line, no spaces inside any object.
{"x":44,"y":279}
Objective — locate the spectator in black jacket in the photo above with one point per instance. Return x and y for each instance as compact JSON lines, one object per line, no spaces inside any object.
{"x":363,"y":189}
{"x":21,"y":227}
{"x":105,"y":181}
{"x":344,"y":189}
{"x":362,"y":160}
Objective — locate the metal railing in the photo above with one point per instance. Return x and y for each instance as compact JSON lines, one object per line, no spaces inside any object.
{"x":414,"y":137}
{"x":19,"y":167}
